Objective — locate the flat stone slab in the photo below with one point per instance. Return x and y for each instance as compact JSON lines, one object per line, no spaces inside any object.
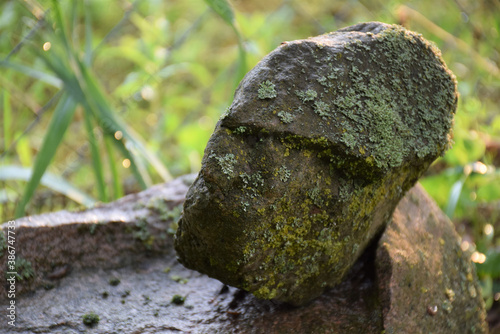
{"x":427,"y":284}
{"x":142,"y":303}
{"x":415,"y":278}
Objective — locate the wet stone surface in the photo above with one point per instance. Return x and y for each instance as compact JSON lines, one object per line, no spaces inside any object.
{"x":146,"y":300}
{"x":413,"y":279}
{"x":323,"y":139}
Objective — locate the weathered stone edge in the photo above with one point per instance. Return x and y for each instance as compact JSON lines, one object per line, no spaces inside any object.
{"x":49,"y":246}
{"x":425,"y":279}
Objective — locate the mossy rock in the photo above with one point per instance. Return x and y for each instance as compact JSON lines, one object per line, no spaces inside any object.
{"x":323,"y":138}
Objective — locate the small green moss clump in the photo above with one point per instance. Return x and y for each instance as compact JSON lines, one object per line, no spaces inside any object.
{"x":24,"y":269}
{"x":90,"y":319}
{"x":240,"y":130}
{"x":162,"y":208}
{"x":322,"y":109}
{"x":450,"y":294}
{"x":114,"y":281}
{"x":92,"y":228}
{"x":3,"y":243}
{"x":179,"y":279}
{"x":178,"y":299}
{"x":307,"y":95}
{"x":283,"y":173}
{"x":226,"y":163}
{"x":141,"y":233}
{"x":267,"y":90}
{"x":286,"y":117}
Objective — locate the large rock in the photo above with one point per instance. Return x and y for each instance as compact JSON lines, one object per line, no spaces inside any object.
{"x":324,"y":137}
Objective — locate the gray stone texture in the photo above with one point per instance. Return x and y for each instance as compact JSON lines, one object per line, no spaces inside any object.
{"x":417,"y":264}
{"x":322,"y":140}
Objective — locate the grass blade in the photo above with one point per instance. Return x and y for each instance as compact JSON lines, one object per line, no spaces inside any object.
{"x":112,"y":123}
{"x":81,"y":87}
{"x":49,"y":180}
{"x":133,"y":166}
{"x":158,"y":166}
{"x":57,"y":128}
{"x":33,"y":73}
{"x":96,"y":158}
{"x":73,"y":20}
{"x":223,"y":9}
{"x":40,"y":24}
{"x":61,"y":31}
{"x":85,"y":91}
{"x":88,"y":54}
{"x":30,"y":127}
{"x":113,"y":166}
{"x":455,"y":192}
{"x":242,"y":63}
{"x":86,"y":88}
{"x":106,"y":118}
{"x":24,"y":152}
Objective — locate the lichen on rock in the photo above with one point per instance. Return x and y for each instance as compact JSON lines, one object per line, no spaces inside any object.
{"x":323,"y":138}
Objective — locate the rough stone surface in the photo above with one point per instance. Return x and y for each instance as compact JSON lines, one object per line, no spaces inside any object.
{"x":382,"y":291}
{"x":323,"y":138}
{"x":427,"y":283}
{"x":94,"y":238}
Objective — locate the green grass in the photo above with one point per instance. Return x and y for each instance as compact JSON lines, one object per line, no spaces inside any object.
{"x":129,"y":92}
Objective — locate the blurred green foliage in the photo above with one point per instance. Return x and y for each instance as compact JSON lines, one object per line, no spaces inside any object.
{"x":116,"y":95}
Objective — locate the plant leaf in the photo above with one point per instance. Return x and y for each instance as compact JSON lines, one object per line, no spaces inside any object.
{"x":242,"y":63}
{"x":455,"y":192}
{"x":61,"y":31}
{"x":117,"y":185}
{"x":52,"y":181}
{"x":224,"y":9}
{"x":88,"y":35}
{"x":59,"y":123}
{"x":492,"y":264}
{"x":33,"y":73}
{"x":96,"y":158}
{"x":111,"y":123}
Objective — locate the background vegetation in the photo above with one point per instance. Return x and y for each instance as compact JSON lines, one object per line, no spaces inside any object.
{"x":99,"y":98}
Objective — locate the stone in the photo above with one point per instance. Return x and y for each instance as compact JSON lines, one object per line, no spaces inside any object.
{"x":426,"y":283}
{"x":110,"y":236}
{"x":322,"y":140}
{"x":132,"y":290}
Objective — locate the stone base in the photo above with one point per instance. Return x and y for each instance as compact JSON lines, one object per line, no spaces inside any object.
{"x":415,"y":279}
